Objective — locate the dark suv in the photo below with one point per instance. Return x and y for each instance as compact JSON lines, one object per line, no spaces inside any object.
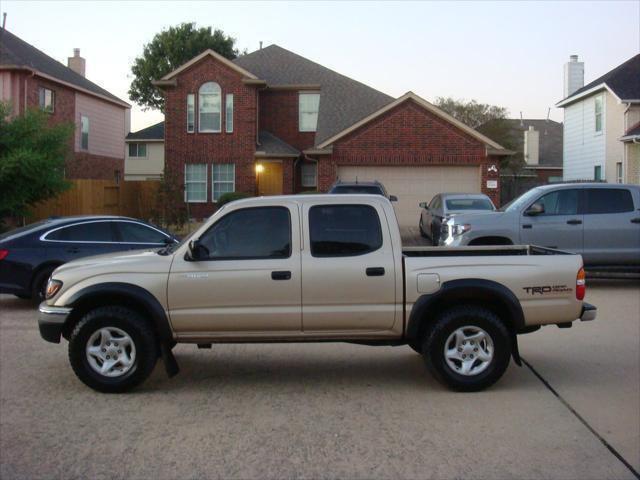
{"x":373,"y":188}
{"x":29,"y":254}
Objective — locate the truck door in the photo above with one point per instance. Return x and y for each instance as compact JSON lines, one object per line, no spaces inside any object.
{"x":249,"y":279}
{"x":560,"y":226}
{"x":348,"y":269}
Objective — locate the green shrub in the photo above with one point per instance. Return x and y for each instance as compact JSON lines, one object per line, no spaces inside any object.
{"x":230,"y":197}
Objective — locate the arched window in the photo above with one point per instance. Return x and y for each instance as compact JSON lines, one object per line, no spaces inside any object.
{"x":209,"y":107}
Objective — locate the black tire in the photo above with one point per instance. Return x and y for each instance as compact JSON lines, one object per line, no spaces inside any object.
{"x":23,"y":296}
{"x":422,"y":233}
{"x":416,"y":347}
{"x":134,"y":325}
{"x":39,"y":284}
{"x":449,"y":321}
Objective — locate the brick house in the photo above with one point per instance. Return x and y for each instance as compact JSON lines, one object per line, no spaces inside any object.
{"x":31,"y":79}
{"x":272,"y":122}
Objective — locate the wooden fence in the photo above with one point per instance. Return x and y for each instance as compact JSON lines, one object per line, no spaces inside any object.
{"x":102,"y":197}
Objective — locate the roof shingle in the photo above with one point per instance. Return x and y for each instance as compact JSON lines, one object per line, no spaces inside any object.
{"x":272,"y":145}
{"x":154,"y":132}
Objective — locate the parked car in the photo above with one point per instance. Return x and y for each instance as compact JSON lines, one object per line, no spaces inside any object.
{"x":371,"y":188}
{"x":445,"y":205}
{"x":29,"y":254}
{"x":309,"y":268}
{"x":599,"y":221}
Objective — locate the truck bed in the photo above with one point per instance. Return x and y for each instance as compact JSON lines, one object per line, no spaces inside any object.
{"x":480,"y":251}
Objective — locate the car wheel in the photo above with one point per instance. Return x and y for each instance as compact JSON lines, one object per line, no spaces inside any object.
{"x":415,"y":346}
{"x":422,"y":234}
{"x":23,"y":296}
{"x":39,"y":285}
{"x":112,"y":349}
{"x":468,"y":348}
{"x":434,"y":236}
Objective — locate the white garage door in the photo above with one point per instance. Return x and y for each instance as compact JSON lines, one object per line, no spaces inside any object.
{"x":413,"y":185}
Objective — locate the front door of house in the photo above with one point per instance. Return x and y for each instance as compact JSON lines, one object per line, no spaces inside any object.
{"x":270,"y":178}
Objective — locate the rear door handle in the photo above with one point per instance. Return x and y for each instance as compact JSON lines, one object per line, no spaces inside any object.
{"x":635,"y":220}
{"x":73,"y":250}
{"x":281,"y":275}
{"x":526,"y":225}
{"x":375,"y":271}
{"x":574,"y":222}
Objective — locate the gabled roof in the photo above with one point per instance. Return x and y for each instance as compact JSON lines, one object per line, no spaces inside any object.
{"x":15,"y":53}
{"x":623,"y":81}
{"x":550,"y":153}
{"x":154,"y":132}
{"x":270,"y":145}
{"x":410,"y":96}
{"x":343,"y":101}
{"x":217,"y":56}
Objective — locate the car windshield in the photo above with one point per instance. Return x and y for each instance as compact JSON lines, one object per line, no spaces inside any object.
{"x":457,"y":204}
{"x":370,"y":189}
{"x":17,"y":231}
{"x":517,"y":203}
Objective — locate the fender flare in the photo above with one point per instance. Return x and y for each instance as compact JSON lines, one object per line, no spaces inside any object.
{"x":139,"y":295}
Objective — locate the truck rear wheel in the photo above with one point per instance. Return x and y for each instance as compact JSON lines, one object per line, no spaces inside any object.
{"x":468,"y":348}
{"x":112,"y":349}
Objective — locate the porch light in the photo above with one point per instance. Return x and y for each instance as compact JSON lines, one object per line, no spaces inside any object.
{"x":259,"y":168}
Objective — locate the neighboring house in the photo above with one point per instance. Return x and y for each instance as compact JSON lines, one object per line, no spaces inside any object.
{"x":272,"y":122}
{"x":144,"y":156}
{"x":599,"y":123}
{"x":31,"y":79}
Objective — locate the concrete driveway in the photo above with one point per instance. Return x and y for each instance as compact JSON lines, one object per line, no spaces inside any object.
{"x":330,"y":410}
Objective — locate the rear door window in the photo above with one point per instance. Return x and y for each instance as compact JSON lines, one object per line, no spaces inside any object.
{"x":344,"y":230}
{"x":84,"y":232}
{"x":608,"y":200}
{"x":131,"y":232}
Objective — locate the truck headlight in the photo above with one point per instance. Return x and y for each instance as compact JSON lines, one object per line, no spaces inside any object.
{"x":459,"y":229}
{"x":53,"y":287}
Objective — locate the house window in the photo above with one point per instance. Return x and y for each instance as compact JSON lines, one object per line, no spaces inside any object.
{"x":309,"y":174}
{"x":223,"y":179}
{"x":191,"y":113}
{"x":598,"y":113}
{"x":308,"y":104}
{"x":195,"y":183}
{"x":84,"y":132}
{"x":47,"y":100}
{"x":209,"y":107}
{"x":597,"y":173}
{"x":137,"y":149}
{"x":228,"y":114}
{"x":619,"y":172}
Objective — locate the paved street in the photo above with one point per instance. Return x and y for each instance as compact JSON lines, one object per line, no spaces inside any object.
{"x":329,"y":410}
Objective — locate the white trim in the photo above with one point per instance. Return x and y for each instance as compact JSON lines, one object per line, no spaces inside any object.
{"x":586,"y":93}
{"x":213,"y":181}
{"x":206,"y":183}
{"x":43,"y":237}
{"x":200,"y":129}
{"x":421,"y":102}
{"x":215,"y":55}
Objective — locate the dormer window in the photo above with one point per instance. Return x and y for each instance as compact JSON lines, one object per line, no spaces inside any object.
{"x":209,"y":107}
{"x":308,"y":104}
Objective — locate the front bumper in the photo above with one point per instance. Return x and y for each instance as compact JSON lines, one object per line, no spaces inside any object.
{"x":589,"y":312}
{"x":51,"y":321}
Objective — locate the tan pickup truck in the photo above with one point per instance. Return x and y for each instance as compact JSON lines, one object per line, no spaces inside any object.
{"x":309,"y":268}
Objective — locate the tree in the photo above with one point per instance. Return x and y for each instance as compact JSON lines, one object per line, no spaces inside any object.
{"x":32,"y":157}
{"x":167,"y":51}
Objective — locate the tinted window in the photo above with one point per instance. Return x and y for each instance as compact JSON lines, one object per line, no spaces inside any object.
{"x":84,"y":232}
{"x":469,"y":204}
{"x":344,"y":230}
{"x":263,"y":232}
{"x":435,"y":203}
{"x":26,"y":229}
{"x":137,"y":233}
{"x":367,"y":189}
{"x":560,"y":202}
{"x":608,"y":200}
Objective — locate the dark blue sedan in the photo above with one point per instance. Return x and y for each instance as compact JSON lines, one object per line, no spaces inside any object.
{"x":28,"y":255}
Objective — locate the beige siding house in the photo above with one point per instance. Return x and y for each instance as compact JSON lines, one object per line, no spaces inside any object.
{"x":144,"y":156}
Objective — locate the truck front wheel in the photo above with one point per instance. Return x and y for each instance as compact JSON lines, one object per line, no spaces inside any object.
{"x":468,"y":348}
{"x":112,"y":349}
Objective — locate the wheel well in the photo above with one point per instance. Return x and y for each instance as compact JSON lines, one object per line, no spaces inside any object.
{"x":495,"y":240}
{"x":92,"y":302}
{"x":41,"y":268}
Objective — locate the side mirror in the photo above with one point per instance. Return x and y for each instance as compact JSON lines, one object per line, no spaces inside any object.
{"x":535,"y":209}
{"x":169,"y":241}
{"x":197,"y":251}
{"x":393,"y":198}
{"x":424,"y":205}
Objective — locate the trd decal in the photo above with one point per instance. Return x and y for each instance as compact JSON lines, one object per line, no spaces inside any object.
{"x":547,"y":289}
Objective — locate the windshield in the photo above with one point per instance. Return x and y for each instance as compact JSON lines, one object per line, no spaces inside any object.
{"x":517,"y":203}
{"x":458,"y":204}
{"x":370,"y":189}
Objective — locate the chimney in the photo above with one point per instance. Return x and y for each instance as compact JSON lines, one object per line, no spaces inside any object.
{"x":573,"y":75}
{"x":531,"y":146}
{"x":76,"y":63}
{"x":260,"y":44}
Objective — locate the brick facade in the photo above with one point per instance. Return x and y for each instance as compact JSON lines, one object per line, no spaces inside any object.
{"x":279,"y":116}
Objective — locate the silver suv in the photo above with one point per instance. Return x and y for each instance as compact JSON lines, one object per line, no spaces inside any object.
{"x":599,"y":221}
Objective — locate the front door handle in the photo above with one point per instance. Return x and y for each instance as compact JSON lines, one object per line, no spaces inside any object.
{"x":635,"y":220}
{"x":574,"y":222}
{"x":527,"y":225}
{"x":281,"y":275}
{"x":73,"y":250}
{"x":375,"y":271}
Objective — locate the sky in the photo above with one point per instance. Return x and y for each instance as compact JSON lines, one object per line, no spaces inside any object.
{"x":509,"y":54}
